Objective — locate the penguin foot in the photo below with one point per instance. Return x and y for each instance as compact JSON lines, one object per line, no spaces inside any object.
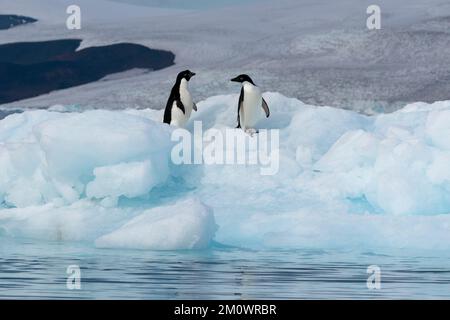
{"x":251,"y":132}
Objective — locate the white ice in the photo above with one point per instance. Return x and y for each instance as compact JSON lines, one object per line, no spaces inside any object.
{"x":188,"y":224}
{"x":345,"y":179}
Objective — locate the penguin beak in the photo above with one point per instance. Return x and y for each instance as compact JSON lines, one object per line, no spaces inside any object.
{"x":192,"y":74}
{"x":235,"y":79}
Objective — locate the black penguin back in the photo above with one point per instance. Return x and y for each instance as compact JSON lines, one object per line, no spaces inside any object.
{"x":174,"y":96}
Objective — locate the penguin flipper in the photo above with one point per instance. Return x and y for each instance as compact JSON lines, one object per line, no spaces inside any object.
{"x":180,"y":106}
{"x":238,"y":120}
{"x":265,"y":108}
{"x":167,"y":112}
{"x":241,"y":101}
{"x":166,"y":118}
{"x":194,"y":106}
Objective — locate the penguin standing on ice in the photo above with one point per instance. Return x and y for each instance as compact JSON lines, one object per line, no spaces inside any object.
{"x":250,"y":102}
{"x":180,"y":104}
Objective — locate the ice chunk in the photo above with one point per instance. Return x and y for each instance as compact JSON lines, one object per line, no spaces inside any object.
{"x":75,"y":144}
{"x":132,"y":179}
{"x":438,"y":129}
{"x":57,"y":155}
{"x":83,"y":220}
{"x":344,"y":179}
{"x":187,"y":224}
{"x":319,"y":128}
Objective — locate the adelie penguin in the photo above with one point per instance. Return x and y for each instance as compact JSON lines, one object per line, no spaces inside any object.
{"x":179,"y":106}
{"x":250,"y":104}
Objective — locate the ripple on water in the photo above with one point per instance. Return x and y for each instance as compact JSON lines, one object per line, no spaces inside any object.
{"x":232,"y":273}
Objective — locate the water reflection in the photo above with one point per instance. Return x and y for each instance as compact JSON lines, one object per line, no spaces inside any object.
{"x":29,"y":270}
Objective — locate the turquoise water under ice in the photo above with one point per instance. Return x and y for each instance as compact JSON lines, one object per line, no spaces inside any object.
{"x":38,"y":270}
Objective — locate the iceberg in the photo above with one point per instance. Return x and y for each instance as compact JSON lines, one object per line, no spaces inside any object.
{"x":68,"y":156}
{"x":344,"y":180}
{"x":188,"y":224}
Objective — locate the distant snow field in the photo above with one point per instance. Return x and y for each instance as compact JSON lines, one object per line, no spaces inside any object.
{"x":345,"y":179}
{"x":317,"y":51}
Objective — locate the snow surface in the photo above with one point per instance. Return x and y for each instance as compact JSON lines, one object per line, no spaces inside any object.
{"x":345,"y":179}
{"x":319,"y":51}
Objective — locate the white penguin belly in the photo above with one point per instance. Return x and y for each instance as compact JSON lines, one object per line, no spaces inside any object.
{"x":187,"y":102}
{"x":251,"y":108}
{"x":178,"y":118}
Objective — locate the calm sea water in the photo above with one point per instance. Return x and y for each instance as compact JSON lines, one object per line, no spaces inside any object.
{"x":38,"y":270}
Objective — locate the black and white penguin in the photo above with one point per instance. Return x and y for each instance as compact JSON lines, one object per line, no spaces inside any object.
{"x":180,"y":104}
{"x":250,"y":104}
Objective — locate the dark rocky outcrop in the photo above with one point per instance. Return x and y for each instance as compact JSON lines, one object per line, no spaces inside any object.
{"x":33,"y":68}
{"x":10,"y":20}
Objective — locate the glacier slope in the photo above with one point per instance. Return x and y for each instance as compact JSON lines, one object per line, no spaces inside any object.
{"x":318,"y":51}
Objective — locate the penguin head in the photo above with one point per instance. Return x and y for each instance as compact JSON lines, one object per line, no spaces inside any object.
{"x":186,"y":74}
{"x":242,"y":78}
